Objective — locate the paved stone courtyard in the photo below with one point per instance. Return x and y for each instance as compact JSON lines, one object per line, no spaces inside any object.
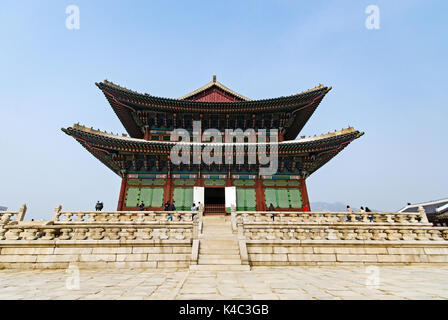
{"x":348,"y":282}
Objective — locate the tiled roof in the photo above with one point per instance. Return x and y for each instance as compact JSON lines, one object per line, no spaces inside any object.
{"x":430,"y":207}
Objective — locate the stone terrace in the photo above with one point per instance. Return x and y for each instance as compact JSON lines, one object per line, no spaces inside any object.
{"x":298,"y":282}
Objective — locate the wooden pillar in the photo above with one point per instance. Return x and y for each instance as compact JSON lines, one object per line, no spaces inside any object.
{"x":304,"y":193}
{"x":147,"y":135}
{"x":168,"y":193}
{"x":259,"y":194}
{"x":122,"y":197}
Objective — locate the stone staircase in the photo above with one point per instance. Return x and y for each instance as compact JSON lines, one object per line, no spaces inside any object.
{"x":218,"y":246}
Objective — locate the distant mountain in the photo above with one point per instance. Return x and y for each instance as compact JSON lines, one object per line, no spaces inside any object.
{"x":332,"y":207}
{"x":3,"y":208}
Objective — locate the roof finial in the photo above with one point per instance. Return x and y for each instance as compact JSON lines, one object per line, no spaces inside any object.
{"x":214,"y":78}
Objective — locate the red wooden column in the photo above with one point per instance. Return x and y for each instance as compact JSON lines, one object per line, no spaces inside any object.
{"x":147,"y":135}
{"x":304,"y":193}
{"x":259,"y":194}
{"x":122,"y":197}
{"x":168,"y":194}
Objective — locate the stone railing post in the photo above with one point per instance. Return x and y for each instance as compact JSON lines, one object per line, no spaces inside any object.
{"x":57,"y":213}
{"x":242,"y":245}
{"x":424,"y":218}
{"x":22,"y":212}
{"x":233,"y":217}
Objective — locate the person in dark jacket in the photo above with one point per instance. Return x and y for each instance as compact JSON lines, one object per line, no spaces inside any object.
{"x":142,"y":206}
{"x":167,"y":206}
{"x":99,"y":206}
{"x":172,"y":206}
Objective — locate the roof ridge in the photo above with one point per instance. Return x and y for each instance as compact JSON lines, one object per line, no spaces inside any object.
{"x":210,"y":84}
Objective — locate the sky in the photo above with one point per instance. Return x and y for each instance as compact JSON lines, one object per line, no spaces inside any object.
{"x":390,"y":83}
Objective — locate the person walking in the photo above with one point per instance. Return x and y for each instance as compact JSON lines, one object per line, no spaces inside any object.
{"x":142,"y":206}
{"x":369,"y":216}
{"x":173,"y":206}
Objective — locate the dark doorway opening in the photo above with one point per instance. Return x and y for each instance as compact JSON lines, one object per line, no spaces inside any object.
{"x":214,"y":196}
{"x":214,"y":199}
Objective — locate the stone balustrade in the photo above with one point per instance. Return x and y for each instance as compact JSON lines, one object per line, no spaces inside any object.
{"x":96,"y":225}
{"x":7,"y":217}
{"x":301,"y":233}
{"x":182,"y":231}
{"x":144,"y":239}
{"x":129,"y":217}
{"x":370,"y":226}
{"x":331,"y":218}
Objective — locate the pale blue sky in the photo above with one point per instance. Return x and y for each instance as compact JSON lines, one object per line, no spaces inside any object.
{"x":390,"y":83}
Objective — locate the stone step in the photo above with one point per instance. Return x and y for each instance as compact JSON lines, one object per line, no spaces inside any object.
{"x":211,"y":237}
{"x":219,"y":250}
{"x":219,"y":243}
{"x":218,"y":247}
{"x":234,"y":256}
{"x":206,"y":260}
{"x":216,"y":267}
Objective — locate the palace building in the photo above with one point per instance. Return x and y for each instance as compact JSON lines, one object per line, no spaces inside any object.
{"x":261,"y":163}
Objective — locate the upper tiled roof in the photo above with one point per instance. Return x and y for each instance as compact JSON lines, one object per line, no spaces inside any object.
{"x":431,"y":207}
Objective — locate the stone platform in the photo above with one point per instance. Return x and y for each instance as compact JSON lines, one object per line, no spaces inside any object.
{"x":307,"y":283}
{"x":185,"y":239}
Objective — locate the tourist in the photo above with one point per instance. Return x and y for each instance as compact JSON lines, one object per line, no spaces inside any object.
{"x":349,"y":209}
{"x":142,"y":206}
{"x":193,"y":207}
{"x":167,"y":206}
{"x":99,"y":206}
{"x":361,"y":210}
{"x":170,"y":217}
{"x":271,"y":207}
{"x":172,"y":206}
{"x":369,"y":216}
{"x":273,"y":216}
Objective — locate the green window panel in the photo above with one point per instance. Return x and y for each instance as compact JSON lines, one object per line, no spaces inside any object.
{"x":160,"y":182}
{"x":183,"y":198}
{"x":250,"y":199}
{"x":132,"y":197}
{"x":283,"y":198}
{"x":134,"y":181}
{"x":240,"y":199}
{"x":146,"y":196}
{"x":190,"y":182}
{"x":245,"y":199}
{"x":157,"y":197}
{"x":188,"y":198}
{"x":294,"y":183}
{"x":270,"y":196}
{"x":214,"y":182}
{"x":295,"y":198}
{"x":178,"y":196}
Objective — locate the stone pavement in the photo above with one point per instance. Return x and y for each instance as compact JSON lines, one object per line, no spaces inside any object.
{"x":347,"y":282}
